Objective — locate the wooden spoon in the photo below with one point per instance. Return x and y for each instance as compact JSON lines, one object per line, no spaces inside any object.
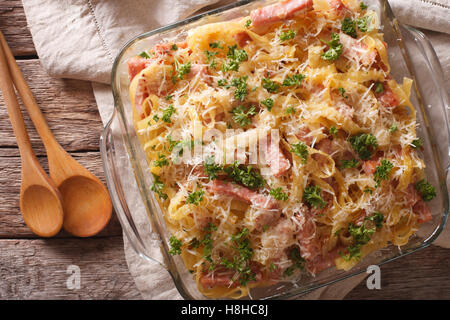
{"x":86,"y":202}
{"x":40,"y":200}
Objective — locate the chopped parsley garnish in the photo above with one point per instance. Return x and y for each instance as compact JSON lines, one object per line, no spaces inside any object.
{"x":312,"y":196}
{"x":294,"y":80}
{"x":168,"y":97}
{"x":155,"y":118}
{"x":235,"y":57}
{"x":377,"y":218}
{"x":175,"y":246}
{"x":144,"y":54}
{"x":364,"y":144}
{"x":167,"y":114}
{"x":210,"y":58}
{"x":223,"y":83}
{"x":195,"y":197}
{"x":297,"y":261}
{"x":393,"y":128}
{"x":158,"y":187}
{"x":241,"y":117}
{"x":247,"y":176}
{"x":207,"y":243}
{"x":272,"y":267}
{"x":241,"y":87}
{"x":162,"y":161}
{"x":194,"y":244}
{"x":181,"y":70}
{"x":382,"y":171}
{"x":174,"y":47}
{"x":361,"y":236}
{"x":342,"y":92}
{"x":248,"y":23}
{"x":287,"y":35}
{"x":172,"y":143}
{"x":333,"y":131}
{"x":363,"y":6}
{"x":426,"y":190}
{"x":270,"y":86}
{"x":290,"y":110}
{"x":416,"y":144}
{"x":211,"y":168}
{"x":215,"y":45}
{"x":348,"y":26}
{"x":301,"y":150}
{"x":241,"y":261}
{"x":335,"y":50}
{"x":349,"y":164}
{"x":363,"y":24}
{"x":278,"y":194}
{"x":379,"y":88}
{"x":268,"y":103}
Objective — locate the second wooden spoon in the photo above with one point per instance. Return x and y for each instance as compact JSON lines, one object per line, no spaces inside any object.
{"x":86,"y":202}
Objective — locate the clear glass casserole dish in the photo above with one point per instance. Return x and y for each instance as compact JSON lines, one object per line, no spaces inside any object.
{"x":129,"y":180}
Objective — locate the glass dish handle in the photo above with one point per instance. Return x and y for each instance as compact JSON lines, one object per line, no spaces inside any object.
{"x":109,"y":153}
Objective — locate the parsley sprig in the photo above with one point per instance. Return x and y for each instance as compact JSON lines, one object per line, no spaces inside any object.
{"x":211,"y":168}
{"x":300,"y":149}
{"x":294,"y":80}
{"x":364,"y":144}
{"x":312,"y":196}
{"x":425,"y":189}
{"x":278,"y":194}
{"x":235,"y":57}
{"x":270,"y":86}
{"x":247,"y":176}
{"x":297,"y":261}
{"x":287,"y":35}
{"x":242,"y":117}
{"x":335,"y":50}
{"x":382,"y":171}
{"x":158,"y":187}
{"x":348,"y":26}
{"x":241,"y":261}
{"x":175,"y":246}
{"x":195,"y":197}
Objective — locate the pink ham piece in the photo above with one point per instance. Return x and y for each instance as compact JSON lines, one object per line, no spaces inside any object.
{"x":387,"y":98}
{"x":357,"y":51}
{"x":137,"y":64}
{"x":242,"y":38}
{"x":224,"y":277}
{"x":279,"y":11}
{"x":338,"y":7}
{"x":370,"y":166}
{"x":419,"y":207}
{"x":304,"y":136}
{"x":243,"y":194}
{"x":276,"y":160}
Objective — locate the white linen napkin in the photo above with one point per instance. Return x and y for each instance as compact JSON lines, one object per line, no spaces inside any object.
{"x":80,"y":38}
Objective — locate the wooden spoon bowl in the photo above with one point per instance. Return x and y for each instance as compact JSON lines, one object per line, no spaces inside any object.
{"x":84,"y":201}
{"x":41,"y":210}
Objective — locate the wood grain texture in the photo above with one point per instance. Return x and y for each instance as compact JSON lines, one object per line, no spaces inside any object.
{"x":37,"y":269}
{"x":421,"y":275}
{"x":11,"y":222}
{"x":14,"y":26}
{"x":68,"y":105}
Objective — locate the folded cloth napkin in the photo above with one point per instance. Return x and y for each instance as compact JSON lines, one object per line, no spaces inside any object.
{"x":80,"y":38}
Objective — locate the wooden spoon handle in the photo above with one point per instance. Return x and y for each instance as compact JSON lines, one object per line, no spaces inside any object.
{"x":12,"y":105}
{"x":27,"y":96}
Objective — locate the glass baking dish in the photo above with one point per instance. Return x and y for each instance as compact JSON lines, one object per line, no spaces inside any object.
{"x":129,"y":180}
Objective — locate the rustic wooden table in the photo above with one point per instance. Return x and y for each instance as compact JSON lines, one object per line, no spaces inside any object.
{"x":35,"y":268}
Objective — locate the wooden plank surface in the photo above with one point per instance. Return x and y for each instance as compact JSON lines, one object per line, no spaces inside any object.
{"x":33,"y":268}
{"x":14,"y":26}
{"x":37,"y":269}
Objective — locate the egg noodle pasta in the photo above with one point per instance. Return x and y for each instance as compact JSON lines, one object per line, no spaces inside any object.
{"x":279,"y":144}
